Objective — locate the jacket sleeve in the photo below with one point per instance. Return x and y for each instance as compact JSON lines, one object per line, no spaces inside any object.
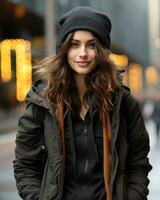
{"x":138,"y":164}
{"x":29,"y":153}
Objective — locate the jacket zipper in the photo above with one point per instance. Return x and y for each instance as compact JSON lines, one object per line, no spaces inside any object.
{"x":85,"y":143}
{"x":86,"y":166}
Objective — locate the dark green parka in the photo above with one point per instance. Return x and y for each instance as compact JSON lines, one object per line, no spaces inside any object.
{"x":39,"y":163}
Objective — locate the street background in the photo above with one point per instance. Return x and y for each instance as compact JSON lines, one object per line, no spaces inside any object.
{"x":28,"y":34}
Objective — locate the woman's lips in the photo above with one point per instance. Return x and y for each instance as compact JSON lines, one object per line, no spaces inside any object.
{"x":83,"y":63}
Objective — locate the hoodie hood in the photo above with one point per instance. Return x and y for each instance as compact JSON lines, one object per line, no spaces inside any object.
{"x":34,"y":96}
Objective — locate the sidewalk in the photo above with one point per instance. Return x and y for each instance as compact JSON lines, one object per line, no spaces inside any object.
{"x":8,"y":189}
{"x":154,"y":157}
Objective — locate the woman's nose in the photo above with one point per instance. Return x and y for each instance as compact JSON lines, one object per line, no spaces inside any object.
{"x":83,"y":51}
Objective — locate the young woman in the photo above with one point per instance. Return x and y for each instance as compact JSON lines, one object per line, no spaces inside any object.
{"x":82,"y":135}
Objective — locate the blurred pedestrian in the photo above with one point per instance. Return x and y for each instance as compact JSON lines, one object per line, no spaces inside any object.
{"x":148,"y":109}
{"x":82,"y":135}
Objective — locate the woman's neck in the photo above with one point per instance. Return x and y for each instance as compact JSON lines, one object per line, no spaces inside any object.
{"x":81,"y":85}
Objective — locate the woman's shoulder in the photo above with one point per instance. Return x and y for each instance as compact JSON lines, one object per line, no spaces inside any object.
{"x":128,"y":97}
{"x":129,"y":102}
{"x":34,"y":95}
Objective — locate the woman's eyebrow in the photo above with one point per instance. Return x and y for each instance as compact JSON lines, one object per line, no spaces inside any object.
{"x":76,"y":40}
{"x":92,"y":40}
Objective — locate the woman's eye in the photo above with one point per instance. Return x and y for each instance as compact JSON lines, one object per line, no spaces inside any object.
{"x":74,"y":45}
{"x":92,"y":45}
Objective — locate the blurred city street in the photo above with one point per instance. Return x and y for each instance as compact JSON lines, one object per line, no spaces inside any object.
{"x":7,"y":184}
{"x":154,"y":175}
{"x":8,"y":126}
{"x":29,"y":32}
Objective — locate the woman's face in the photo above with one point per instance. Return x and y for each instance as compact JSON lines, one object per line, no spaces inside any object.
{"x":81,"y":54}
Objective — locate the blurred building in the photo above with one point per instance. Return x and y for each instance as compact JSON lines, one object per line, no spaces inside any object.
{"x":130,"y":20}
{"x":135,"y":36}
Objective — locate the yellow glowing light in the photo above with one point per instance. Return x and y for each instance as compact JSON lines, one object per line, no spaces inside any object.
{"x":24,"y":69}
{"x":135,"y":77}
{"x":6,"y":72}
{"x":157,"y":43}
{"x":23,"y":65}
{"x":119,"y":60}
{"x":151,"y":74}
{"x":20,"y":11}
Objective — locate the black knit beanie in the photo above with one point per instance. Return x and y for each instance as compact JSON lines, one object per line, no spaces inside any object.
{"x":84,"y":18}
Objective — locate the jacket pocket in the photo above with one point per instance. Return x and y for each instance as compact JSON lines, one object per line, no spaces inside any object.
{"x":49,"y":189}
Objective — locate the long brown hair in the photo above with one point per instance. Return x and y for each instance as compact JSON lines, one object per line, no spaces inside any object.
{"x":60,"y":87}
